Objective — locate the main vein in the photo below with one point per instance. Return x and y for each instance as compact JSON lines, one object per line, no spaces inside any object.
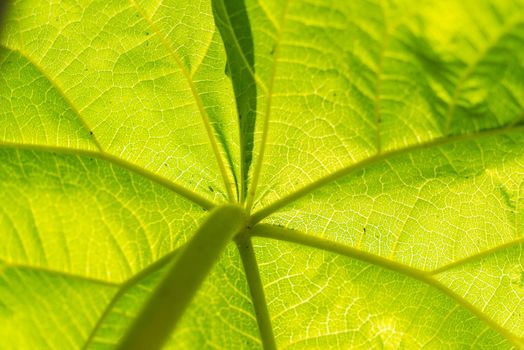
{"x":328,"y":179}
{"x":265,"y":131}
{"x":9,"y":265}
{"x":285,"y":234}
{"x":101,"y":153}
{"x":205,"y":118}
{"x":477,"y":256}
{"x":186,"y":193}
{"x":60,"y":92}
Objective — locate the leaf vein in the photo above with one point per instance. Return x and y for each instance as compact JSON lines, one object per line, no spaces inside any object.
{"x":363,"y":164}
{"x":284,"y":234}
{"x":196,"y":96}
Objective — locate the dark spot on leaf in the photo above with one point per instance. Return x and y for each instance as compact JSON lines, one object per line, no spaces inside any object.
{"x":272,"y":52}
{"x":147,"y":33}
{"x":211,"y":188}
{"x":227,"y":70}
{"x":90,"y":133}
{"x":364,"y":229}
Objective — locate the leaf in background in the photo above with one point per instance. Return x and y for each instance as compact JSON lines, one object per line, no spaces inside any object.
{"x":376,"y":145}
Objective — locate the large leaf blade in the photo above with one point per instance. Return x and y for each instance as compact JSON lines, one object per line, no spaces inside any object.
{"x":338,"y":291}
{"x":42,"y":310}
{"x":65,"y":212}
{"x":348,"y":80}
{"x":423,"y":214}
{"x":443,"y":218}
{"x":129,"y":86}
{"x":384,"y":136}
{"x":72,"y":230}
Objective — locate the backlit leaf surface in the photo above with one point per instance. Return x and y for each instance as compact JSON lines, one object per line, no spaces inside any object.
{"x":378,"y":147}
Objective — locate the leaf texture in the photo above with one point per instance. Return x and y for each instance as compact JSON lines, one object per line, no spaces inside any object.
{"x":376,"y":146}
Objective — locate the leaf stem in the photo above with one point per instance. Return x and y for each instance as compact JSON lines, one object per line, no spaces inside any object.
{"x":245,"y":248}
{"x":124,"y":288}
{"x":171,"y":298}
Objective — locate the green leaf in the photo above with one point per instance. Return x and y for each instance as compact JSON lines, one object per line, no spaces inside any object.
{"x":189,"y":269}
{"x":376,"y":148}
